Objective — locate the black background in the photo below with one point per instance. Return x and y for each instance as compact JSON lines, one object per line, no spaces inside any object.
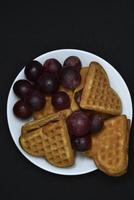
{"x":30,"y":29}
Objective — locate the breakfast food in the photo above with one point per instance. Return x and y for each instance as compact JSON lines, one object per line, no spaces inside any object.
{"x":110,"y":146}
{"x":49,"y":138}
{"x":35,"y":124}
{"x":73,"y":109}
{"x":32,"y":142}
{"x":97,"y":94}
{"x":58,"y":149}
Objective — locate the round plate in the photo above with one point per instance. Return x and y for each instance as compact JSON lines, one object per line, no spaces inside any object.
{"x":82,"y":164}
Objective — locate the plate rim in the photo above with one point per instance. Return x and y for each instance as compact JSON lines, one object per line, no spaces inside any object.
{"x":9,"y":93}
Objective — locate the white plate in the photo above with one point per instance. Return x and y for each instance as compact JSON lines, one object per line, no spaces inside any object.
{"x":82,"y":164}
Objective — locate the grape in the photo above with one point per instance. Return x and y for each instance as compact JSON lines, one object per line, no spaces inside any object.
{"x":36,"y":100}
{"x":22,"y":88}
{"x":77,"y":97}
{"x":82,"y":143}
{"x":70,"y":78}
{"x":33,"y":70}
{"x":74,"y":62}
{"x":48,"y":83}
{"x":61,"y":100}
{"x":78,"y":124}
{"x":96,"y":123}
{"x":22,"y":110}
{"x":52,"y":65}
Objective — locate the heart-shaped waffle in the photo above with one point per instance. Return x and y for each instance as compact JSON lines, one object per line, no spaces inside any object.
{"x":109,"y":147}
{"x":57,"y":145}
{"x":48,"y":137}
{"x":97,"y":94}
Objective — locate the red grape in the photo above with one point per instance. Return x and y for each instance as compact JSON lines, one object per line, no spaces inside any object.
{"x":61,"y":100}
{"x":48,"y":83}
{"x":96,"y":123}
{"x":36,"y":100}
{"x":22,"y":88}
{"x":22,"y":110}
{"x":77,"y":97}
{"x":82,"y":143}
{"x":33,"y":70}
{"x":70,"y":78}
{"x":74,"y":62}
{"x":78,"y":124}
{"x":52,"y":65}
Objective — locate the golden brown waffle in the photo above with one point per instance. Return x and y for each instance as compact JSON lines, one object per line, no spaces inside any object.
{"x":110,"y":146}
{"x":36,"y":124}
{"x":83,"y":72}
{"x":50,"y":141}
{"x":32,"y":142}
{"x":48,"y":109}
{"x":57,"y":145}
{"x":97,"y":94}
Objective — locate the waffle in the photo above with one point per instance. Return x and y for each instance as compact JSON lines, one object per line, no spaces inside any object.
{"x":36,"y":124}
{"x":97,"y":94}
{"x":31,"y":135}
{"x":83,"y":72}
{"x":110,"y":146}
{"x":32,"y":142}
{"x":57,"y":145}
{"x":49,"y":138}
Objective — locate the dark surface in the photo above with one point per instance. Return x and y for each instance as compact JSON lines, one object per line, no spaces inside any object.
{"x":28,"y":30}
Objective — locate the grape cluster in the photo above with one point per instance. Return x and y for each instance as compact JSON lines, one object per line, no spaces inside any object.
{"x":42,"y":80}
